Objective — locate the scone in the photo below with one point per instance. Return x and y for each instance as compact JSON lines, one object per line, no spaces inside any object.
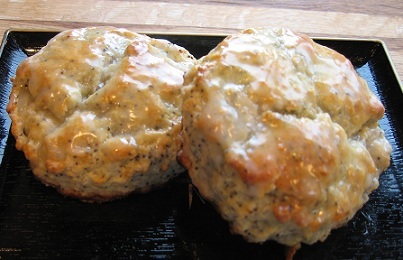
{"x":282,"y":136}
{"x":97,"y":112}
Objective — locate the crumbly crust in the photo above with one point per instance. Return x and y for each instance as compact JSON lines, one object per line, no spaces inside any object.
{"x":97,"y":112}
{"x":281,"y":135}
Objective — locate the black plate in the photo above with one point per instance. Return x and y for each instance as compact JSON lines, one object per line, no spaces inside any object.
{"x":36,"y":222}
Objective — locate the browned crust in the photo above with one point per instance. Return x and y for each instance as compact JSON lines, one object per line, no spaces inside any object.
{"x":94,"y":198}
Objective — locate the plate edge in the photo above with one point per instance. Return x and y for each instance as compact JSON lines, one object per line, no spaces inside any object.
{"x":200,"y":34}
{"x":4,"y":41}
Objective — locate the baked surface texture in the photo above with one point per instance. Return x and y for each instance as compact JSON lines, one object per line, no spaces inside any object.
{"x":97,"y":112}
{"x":281,"y":135}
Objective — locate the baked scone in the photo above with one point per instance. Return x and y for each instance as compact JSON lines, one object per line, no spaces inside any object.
{"x":97,"y":112}
{"x":281,"y":135}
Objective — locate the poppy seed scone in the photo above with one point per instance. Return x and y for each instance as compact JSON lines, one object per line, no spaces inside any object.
{"x":97,"y":112}
{"x":281,"y":135}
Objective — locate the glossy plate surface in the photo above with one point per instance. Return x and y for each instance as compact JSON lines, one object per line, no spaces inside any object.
{"x":37,"y":222}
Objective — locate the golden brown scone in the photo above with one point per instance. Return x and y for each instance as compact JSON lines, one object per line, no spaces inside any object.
{"x":282,"y":136}
{"x":97,"y":112}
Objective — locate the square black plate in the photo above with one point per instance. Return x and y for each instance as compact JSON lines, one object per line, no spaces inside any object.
{"x":36,"y":222}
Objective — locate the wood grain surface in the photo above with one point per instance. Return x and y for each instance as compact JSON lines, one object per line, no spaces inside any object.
{"x":371,"y":19}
